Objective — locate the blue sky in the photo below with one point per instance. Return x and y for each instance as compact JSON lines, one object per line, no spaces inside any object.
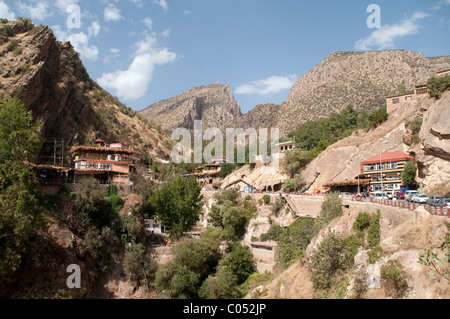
{"x":144,"y":51}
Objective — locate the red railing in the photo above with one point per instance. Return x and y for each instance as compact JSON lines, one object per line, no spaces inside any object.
{"x":438,"y":211}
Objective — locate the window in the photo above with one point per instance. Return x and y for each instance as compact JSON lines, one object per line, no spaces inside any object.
{"x":396,"y":101}
{"x":105,"y":166}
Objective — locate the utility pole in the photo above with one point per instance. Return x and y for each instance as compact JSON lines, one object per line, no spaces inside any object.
{"x":54,"y":153}
{"x":62,"y":153}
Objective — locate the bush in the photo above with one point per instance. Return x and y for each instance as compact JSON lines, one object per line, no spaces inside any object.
{"x":266,"y":199}
{"x":373,"y":236}
{"x":331,"y":207}
{"x":273,"y":233}
{"x":96,"y":242}
{"x":416,"y":125}
{"x":362,"y":221}
{"x":277,"y":205}
{"x":437,"y":86}
{"x":240,"y":261}
{"x":12,"y":45}
{"x":409,"y":173}
{"x":293,"y":240}
{"x":395,"y":277}
{"x":138,"y":265}
{"x":331,"y":259}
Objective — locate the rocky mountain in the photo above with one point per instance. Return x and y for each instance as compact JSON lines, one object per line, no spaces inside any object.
{"x":50,"y":79}
{"x":341,"y":160}
{"x":362,"y":79}
{"x":214,"y":104}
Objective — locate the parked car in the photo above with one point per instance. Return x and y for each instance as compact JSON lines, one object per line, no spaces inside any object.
{"x":420,"y":198}
{"x":414,"y":197}
{"x":380,"y":195}
{"x":433,"y":199}
{"x":409,"y":195}
{"x":444,"y":202}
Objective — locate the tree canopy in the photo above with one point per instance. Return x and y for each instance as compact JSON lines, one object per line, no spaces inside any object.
{"x":177,"y":204}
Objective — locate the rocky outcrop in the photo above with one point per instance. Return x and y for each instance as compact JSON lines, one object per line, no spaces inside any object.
{"x":341,"y":160}
{"x":433,"y":157}
{"x":214,"y":104}
{"x":51,"y":81}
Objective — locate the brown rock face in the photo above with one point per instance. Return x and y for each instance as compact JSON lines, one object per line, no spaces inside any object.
{"x":51,"y":81}
{"x":362,"y":79}
{"x":214,"y":104}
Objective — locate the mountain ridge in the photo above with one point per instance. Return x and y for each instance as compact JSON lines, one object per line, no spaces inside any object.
{"x":362,"y":79}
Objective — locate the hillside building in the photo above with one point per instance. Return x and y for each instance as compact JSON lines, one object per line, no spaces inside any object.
{"x":207,"y":174}
{"x":109,"y":164}
{"x":443,"y":73}
{"x":384,"y":171}
{"x":395,"y":101}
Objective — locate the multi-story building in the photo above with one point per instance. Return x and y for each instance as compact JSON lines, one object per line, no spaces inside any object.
{"x":109,"y":164}
{"x":384,"y":171}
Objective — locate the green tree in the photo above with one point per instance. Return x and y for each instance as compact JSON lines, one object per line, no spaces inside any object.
{"x":377,"y":117}
{"x":331,"y":259}
{"x":21,"y":216}
{"x":331,"y":207}
{"x":192,"y":262}
{"x":91,"y":204}
{"x":409,"y":173}
{"x":138,"y":265}
{"x":240,"y":261}
{"x":438,"y":85}
{"x":19,"y":134}
{"x":222,"y":285}
{"x":177,"y":204}
{"x":296,"y":183}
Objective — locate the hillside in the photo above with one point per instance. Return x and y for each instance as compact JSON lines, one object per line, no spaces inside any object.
{"x":341,"y":160}
{"x":50,"y":79}
{"x":214,"y":104}
{"x":361,"y":79}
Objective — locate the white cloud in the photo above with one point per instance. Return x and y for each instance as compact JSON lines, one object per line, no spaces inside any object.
{"x":79,"y":41}
{"x":131,"y":84}
{"x":139,"y":3}
{"x":112,"y":13}
{"x":384,"y":37}
{"x":39,"y":11}
{"x":5,"y":13}
{"x":62,"y":5}
{"x":94,"y":29}
{"x":148,"y":22}
{"x":166,"y":32}
{"x":162,"y":3}
{"x":270,"y":85}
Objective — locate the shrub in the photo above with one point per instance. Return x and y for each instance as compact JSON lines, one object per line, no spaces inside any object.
{"x":138,"y":265}
{"x":409,"y":173}
{"x":266,"y":199}
{"x":293,"y":240}
{"x":331,"y":207}
{"x":330,"y":260}
{"x":395,"y":277}
{"x":373,"y":236}
{"x":273,"y":233}
{"x":415,"y":125}
{"x":437,"y":86}
{"x":277,"y":205}
{"x":12,"y":45}
{"x":362,"y":221}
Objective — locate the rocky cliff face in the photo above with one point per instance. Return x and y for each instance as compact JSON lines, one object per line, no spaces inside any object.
{"x":214,"y":104}
{"x":362,"y":79}
{"x":341,"y":160}
{"x":50,"y":79}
